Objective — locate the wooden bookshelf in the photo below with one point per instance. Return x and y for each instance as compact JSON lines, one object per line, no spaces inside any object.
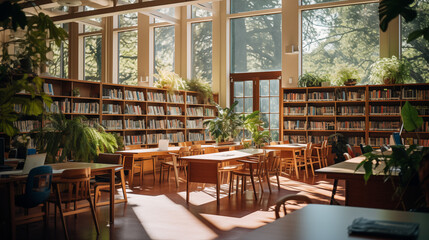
{"x":142,"y":115}
{"x":366,"y":114}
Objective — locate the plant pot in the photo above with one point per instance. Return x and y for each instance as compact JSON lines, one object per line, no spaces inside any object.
{"x":350,"y":82}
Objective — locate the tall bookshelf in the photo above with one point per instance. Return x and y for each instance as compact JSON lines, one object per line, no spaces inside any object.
{"x":367,"y":114}
{"x":142,"y":115}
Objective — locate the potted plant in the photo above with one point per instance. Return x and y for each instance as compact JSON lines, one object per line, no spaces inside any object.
{"x":253,"y":123}
{"x":202,"y":87}
{"x":402,"y":161}
{"x":169,"y":80}
{"x":346,"y":76}
{"x":390,"y":71}
{"x":72,"y":138}
{"x":226,"y":126}
{"x":19,"y":63}
{"x":311,"y":80}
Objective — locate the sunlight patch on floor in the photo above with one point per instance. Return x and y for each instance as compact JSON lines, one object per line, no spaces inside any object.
{"x":250,"y":221}
{"x":155,"y":214}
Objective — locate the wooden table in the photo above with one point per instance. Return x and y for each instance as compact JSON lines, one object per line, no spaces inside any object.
{"x":96,"y":169}
{"x":289,"y":151}
{"x":330,"y":222}
{"x":375,"y":194}
{"x":205,"y":168}
{"x":221,"y":148}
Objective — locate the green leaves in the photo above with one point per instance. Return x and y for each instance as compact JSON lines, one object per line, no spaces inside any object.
{"x":418,"y":33}
{"x":410,"y":117}
{"x":390,"y":9}
{"x":12,"y":16}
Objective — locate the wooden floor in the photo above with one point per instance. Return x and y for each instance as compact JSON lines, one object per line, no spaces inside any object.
{"x":159,"y":211}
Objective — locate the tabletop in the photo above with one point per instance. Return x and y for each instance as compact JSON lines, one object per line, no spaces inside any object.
{"x":226,"y":156}
{"x":330,"y":222}
{"x":74,"y":165}
{"x":149,"y":150}
{"x":291,"y":145}
{"x":349,"y":167}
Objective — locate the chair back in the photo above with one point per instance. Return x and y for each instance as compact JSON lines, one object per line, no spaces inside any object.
{"x":210,"y":150}
{"x":308,"y":150}
{"x":238,"y":147}
{"x":293,"y":197}
{"x":182,"y":144}
{"x":184,"y":151}
{"x":350,"y":150}
{"x":188,"y":144}
{"x":286,"y":142}
{"x":273,"y":161}
{"x":232,"y":148}
{"x":347,"y":156}
{"x":274,"y":143}
{"x":200,"y":142}
{"x":38,"y":186}
{"x":196,"y":150}
{"x":131,"y":147}
{"x":75,"y":183}
{"x":109,"y":158}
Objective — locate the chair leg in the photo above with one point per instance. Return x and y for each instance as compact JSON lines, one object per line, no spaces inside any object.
{"x":231,"y":185}
{"x":268,"y":180}
{"x":96,"y":192}
{"x":312,"y":167}
{"x":278,"y":180}
{"x":63,"y":221}
{"x":94,"y":217}
{"x":153,"y":168}
{"x":124,"y":191}
{"x":131,"y":178}
{"x":253,"y":185}
{"x":260,"y":183}
{"x":160,"y":173}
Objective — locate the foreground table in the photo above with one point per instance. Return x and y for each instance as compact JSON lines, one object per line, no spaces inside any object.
{"x":330,"y":222}
{"x":96,"y":169}
{"x":205,"y":168}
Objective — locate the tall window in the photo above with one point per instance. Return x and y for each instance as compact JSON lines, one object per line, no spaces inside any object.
{"x":58,"y":66}
{"x":198,"y":12}
{"x":127,"y":20}
{"x":127,"y":59}
{"x":416,"y":52}
{"x":202,"y":51}
{"x":256,"y":44}
{"x":92,"y":58}
{"x":269,"y":100}
{"x":248,"y":5}
{"x":164,"y":48}
{"x":340,"y":36}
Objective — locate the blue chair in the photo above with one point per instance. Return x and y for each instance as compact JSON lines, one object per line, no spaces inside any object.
{"x":37,"y":191}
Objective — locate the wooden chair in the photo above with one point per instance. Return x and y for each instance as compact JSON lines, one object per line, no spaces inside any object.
{"x":286,"y":142}
{"x":253,"y":169}
{"x":182,"y":144}
{"x":188,"y":144}
{"x":73,"y":186}
{"x":305,"y":159}
{"x":320,"y":153}
{"x":196,"y":150}
{"x":272,"y":166}
{"x":350,"y":151}
{"x":181,"y":164}
{"x":136,"y":166}
{"x":199,"y":142}
{"x":315,"y":157}
{"x":283,"y":201}
{"x":37,"y":192}
{"x":102,"y":183}
{"x":209,"y":150}
{"x":274,"y":143}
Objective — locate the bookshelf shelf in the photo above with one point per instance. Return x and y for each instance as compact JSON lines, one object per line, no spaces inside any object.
{"x":352,"y":109}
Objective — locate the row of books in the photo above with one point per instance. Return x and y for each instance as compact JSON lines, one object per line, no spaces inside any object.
{"x":112,"y":124}
{"x":355,"y":141}
{"x":379,"y":141}
{"x":155,"y":110}
{"x":351,"y":95}
{"x":48,"y":89}
{"x":192,"y":136}
{"x":155,"y":97}
{"x":321,"y":96}
{"x":351,"y":125}
{"x":192,"y":99}
{"x":86,"y":108}
{"x":423,"y":110}
{"x":135,"y":139}
{"x":133,"y":109}
{"x":112,"y":109}
{"x":295,"y":125}
{"x":208,"y":136}
{"x":318,"y":139}
{"x":154,"y":138}
{"x":176,"y":137}
{"x":294,"y":97}
{"x":209,"y":112}
{"x":313,"y":110}
{"x":424,"y":128}
{"x":295,"y":111}
{"x":321,"y":126}
{"x":385,"y":94}
{"x":195,"y":111}
{"x":175,"y":98}
{"x":385,"y":110}
{"x":27,"y":125}
{"x":384,"y":126}
{"x":134,"y":124}
{"x":134,"y":95}
{"x":112,"y":93}
{"x":92,"y":122}
{"x":156,"y":124}
{"x":194,"y":123}
{"x":174,"y":110}
{"x":421,"y":142}
{"x":351,"y":110}
{"x":58,"y":106}
{"x":295,"y":138}
{"x":413,"y":94}
{"x":174,"y":123}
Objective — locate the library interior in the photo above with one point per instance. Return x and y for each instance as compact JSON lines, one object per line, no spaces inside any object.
{"x":214,"y":119}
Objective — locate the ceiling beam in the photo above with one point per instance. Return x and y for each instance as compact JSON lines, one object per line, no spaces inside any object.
{"x":97,"y":3}
{"x":128,"y":8}
{"x":59,"y":13}
{"x":162,"y":16}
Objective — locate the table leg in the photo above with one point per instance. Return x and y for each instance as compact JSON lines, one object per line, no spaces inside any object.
{"x":217,"y":186}
{"x":188,"y":179}
{"x":12,"y":210}
{"x":112,"y":196}
{"x":176,"y":173}
{"x":296,"y":164}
